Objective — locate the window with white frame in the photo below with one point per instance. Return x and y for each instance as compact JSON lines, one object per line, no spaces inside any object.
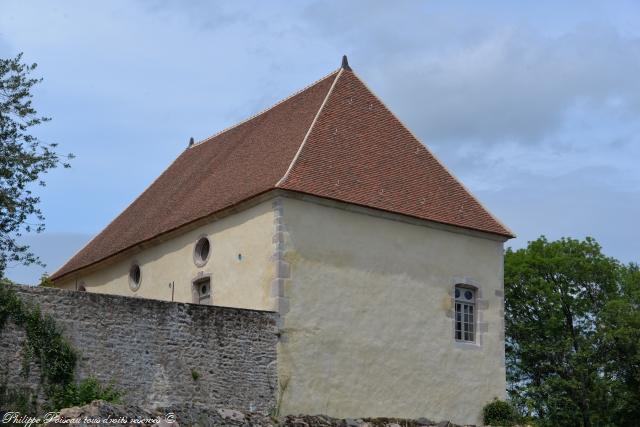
{"x":465,"y":313}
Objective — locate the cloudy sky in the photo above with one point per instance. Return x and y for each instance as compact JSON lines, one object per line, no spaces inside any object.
{"x":536,"y":108}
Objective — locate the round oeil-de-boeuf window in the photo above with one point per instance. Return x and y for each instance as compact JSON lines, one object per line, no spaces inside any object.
{"x":135,"y":277}
{"x":202,"y":251}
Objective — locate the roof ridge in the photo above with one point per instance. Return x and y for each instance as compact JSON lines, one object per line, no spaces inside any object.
{"x":464,"y":187}
{"x":306,"y":136}
{"x":227,"y":129}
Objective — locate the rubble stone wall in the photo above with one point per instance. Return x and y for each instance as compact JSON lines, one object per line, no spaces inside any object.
{"x":161,"y":354}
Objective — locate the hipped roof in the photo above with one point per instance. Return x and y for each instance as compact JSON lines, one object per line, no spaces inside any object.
{"x":335,"y":139}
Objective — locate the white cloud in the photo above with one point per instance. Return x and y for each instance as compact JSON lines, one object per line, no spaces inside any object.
{"x":530,"y":104}
{"x":495,"y":82}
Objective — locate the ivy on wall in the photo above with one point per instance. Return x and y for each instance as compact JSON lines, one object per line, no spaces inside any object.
{"x":46,"y":346}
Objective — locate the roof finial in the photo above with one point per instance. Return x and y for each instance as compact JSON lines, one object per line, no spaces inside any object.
{"x":191,"y":141}
{"x":345,"y":63}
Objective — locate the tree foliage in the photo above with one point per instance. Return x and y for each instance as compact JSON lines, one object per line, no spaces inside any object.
{"x":572,"y":334}
{"x":23,"y":160}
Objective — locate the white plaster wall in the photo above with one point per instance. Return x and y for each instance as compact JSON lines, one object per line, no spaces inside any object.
{"x":366,"y":331}
{"x":235,"y":283}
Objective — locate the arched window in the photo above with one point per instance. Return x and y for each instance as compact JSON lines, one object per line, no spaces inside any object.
{"x":465,"y":313}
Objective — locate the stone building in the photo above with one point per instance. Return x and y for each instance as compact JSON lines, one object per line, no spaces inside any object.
{"x":386,"y":272}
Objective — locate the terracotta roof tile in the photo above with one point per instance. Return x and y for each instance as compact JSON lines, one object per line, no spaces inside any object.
{"x":359,"y":152}
{"x":334,"y":139}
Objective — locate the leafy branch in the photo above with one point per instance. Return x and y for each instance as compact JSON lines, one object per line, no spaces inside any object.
{"x":24,"y":159}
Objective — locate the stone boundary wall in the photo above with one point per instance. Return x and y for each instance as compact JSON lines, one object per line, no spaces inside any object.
{"x":153,"y":350}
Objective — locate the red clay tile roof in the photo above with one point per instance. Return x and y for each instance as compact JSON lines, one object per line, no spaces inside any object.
{"x":334,"y":139}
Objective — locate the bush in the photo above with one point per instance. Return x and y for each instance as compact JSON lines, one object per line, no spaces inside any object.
{"x":499,"y":413}
{"x":82,"y":393}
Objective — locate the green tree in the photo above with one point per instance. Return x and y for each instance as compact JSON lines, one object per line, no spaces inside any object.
{"x":23,"y":161}
{"x":619,"y":335}
{"x":572,"y":329}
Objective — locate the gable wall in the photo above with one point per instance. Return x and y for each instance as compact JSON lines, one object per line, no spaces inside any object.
{"x":367,"y":325}
{"x":237,"y":283}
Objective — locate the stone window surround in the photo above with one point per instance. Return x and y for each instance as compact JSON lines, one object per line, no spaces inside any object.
{"x":196,"y":257}
{"x":481,"y":304}
{"x":195,"y":295}
{"x":132,"y":285}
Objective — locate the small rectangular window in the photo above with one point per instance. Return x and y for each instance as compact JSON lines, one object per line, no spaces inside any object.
{"x":465,"y":300}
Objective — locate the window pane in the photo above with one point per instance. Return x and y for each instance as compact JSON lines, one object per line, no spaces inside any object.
{"x":464,"y":307}
{"x":464,"y":329}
